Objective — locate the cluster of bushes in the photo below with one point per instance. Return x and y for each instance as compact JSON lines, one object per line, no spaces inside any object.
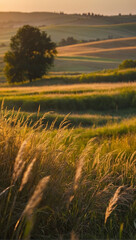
{"x":129,"y":63}
{"x":111,"y":76}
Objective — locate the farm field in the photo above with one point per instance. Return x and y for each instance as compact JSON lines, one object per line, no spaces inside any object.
{"x":94,"y":56}
{"x":87,"y":57}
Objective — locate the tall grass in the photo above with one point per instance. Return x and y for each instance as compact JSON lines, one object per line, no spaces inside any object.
{"x":88,"y":170}
{"x":67,"y":103}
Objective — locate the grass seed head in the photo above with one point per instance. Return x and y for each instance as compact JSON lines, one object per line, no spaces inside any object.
{"x":27,"y":174}
{"x":36,"y":197}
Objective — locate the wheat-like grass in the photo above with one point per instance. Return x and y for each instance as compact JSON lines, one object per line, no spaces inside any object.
{"x":33,"y":201}
{"x":123,"y":196}
{"x":81,"y":162}
{"x":19,"y":163}
{"x":113,"y":203}
{"x":36,"y":197}
{"x":27,"y":174}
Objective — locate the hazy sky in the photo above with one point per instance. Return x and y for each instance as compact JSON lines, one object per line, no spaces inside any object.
{"x":70,"y":6}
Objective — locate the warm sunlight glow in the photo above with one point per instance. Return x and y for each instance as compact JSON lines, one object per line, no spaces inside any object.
{"x":71,"y":6}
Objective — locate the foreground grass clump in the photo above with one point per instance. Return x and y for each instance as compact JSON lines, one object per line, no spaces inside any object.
{"x":58,"y":183}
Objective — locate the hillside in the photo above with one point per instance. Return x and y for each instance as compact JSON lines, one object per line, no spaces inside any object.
{"x":79,"y":32}
{"x":90,"y":32}
{"x":117,"y":48}
{"x":48,"y":18}
{"x":87,"y":57}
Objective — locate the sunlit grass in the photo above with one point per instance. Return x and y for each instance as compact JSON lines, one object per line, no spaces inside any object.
{"x":70,"y":184}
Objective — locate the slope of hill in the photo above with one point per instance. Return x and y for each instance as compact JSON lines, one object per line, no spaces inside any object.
{"x":79,"y":32}
{"x":48,"y":18}
{"x":90,"y":32}
{"x":117,"y":48}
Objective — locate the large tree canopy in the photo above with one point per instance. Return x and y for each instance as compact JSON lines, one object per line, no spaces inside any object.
{"x":30,"y":56}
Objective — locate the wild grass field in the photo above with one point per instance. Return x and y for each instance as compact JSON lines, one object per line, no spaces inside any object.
{"x":68,"y":141}
{"x":67,"y":183}
{"x":88,"y":104}
{"x":68,"y":159}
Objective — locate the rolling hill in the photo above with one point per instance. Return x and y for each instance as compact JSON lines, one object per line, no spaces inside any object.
{"x":16,"y":19}
{"x":93,"y":56}
{"x":90,"y":32}
{"x":115,"y":49}
{"x":87,"y":57}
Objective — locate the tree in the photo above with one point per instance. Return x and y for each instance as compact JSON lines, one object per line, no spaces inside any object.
{"x":30,"y":56}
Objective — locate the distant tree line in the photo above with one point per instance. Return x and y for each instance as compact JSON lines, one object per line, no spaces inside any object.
{"x":72,"y":40}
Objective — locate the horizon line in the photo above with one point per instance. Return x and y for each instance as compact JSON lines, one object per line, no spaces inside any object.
{"x":74,"y":13}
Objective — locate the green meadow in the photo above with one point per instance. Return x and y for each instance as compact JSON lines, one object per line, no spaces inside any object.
{"x":87,"y":32}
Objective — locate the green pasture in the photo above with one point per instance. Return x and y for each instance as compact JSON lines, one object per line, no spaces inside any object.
{"x":87,"y":32}
{"x":80,"y":32}
{"x":83,"y":64}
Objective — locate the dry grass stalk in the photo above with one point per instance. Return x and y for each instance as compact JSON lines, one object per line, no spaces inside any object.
{"x":36,"y":197}
{"x":27,"y":174}
{"x":33,"y":201}
{"x":81,"y":163}
{"x":123,"y":196}
{"x":6,"y":190}
{"x":19,"y":164}
{"x":113,"y":203}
